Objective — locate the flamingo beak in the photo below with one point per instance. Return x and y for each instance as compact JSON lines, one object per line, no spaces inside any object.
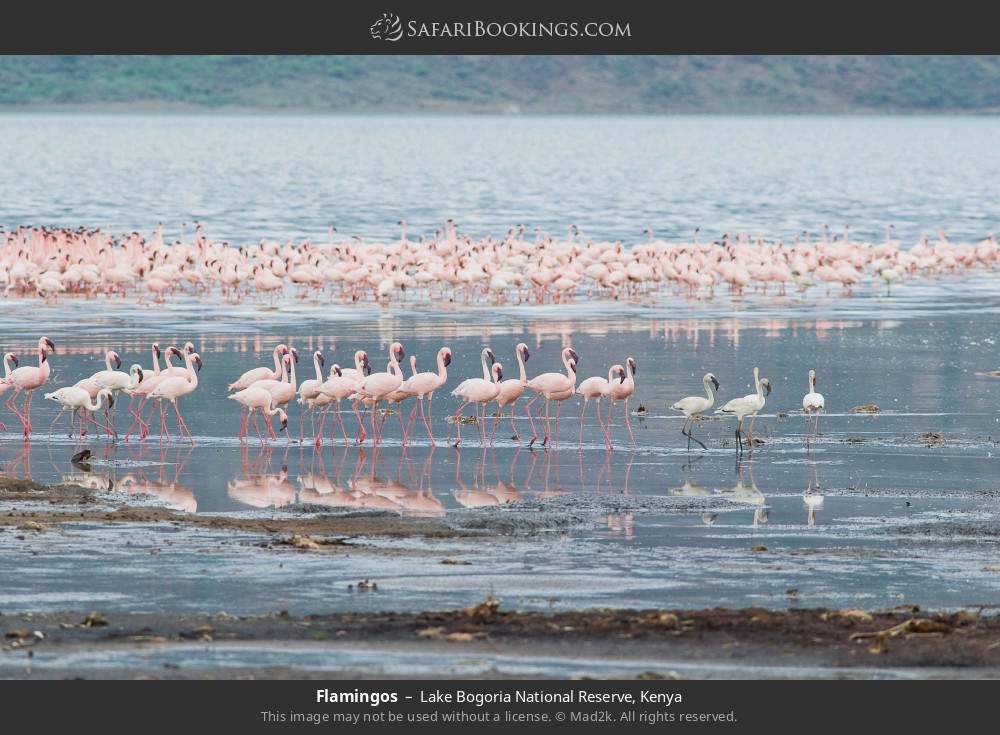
{"x":338,"y":372}
{"x":322,"y":360}
{"x":768,"y":389}
{"x":447,"y":359}
{"x":111,"y":400}
{"x":576,"y":357}
{"x":400,"y":354}
{"x":295,"y":354}
{"x":621,"y":376}
{"x":634,"y":365}
{"x":525,"y":354}
{"x":284,"y":424}
{"x":13,"y":359}
{"x":189,"y":348}
{"x":50,"y":344}
{"x":489,"y":354}
{"x":715,"y":383}
{"x":118,"y":361}
{"x":139,"y":373}
{"x":156,"y":350}
{"x":197,"y":361}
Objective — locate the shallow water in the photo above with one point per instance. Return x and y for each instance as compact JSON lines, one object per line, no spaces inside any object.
{"x":654,"y":525}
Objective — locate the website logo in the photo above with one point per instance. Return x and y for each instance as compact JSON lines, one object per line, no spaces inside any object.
{"x":387,"y":28}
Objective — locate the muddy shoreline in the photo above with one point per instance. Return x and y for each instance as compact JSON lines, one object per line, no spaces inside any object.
{"x":967,"y":643}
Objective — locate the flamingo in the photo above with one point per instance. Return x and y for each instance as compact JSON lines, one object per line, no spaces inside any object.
{"x":176,"y":371}
{"x":512,"y":389}
{"x":748,"y":405}
{"x":309,"y":391}
{"x":694,"y":406}
{"x":379,"y":385}
{"x":597,"y":388}
{"x":622,"y":392}
{"x":813,"y":403}
{"x":257,"y":399}
{"x":77,"y":399}
{"x":146,"y":387}
{"x":172,"y":389}
{"x":344,"y":383}
{"x":8,"y":358}
{"x":423,"y":385}
{"x":27,"y":379}
{"x":479,"y":391}
{"x":261,"y":373}
{"x":553,"y":387}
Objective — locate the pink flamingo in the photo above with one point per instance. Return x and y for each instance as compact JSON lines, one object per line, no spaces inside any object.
{"x":423,"y":385}
{"x":28,"y":379}
{"x":622,"y":392}
{"x":308,"y":392}
{"x":479,"y":391}
{"x":379,"y":385}
{"x":146,"y":387}
{"x":257,"y":399}
{"x":261,"y":373}
{"x":282,"y":391}
{"x":597,"y":388}
{"x":345,"y":384}
{"x":512,"y":389}
{"x":8,"y":358}
{"x":553,"y":387}
{"x":176,"y":371}
{"x":171,"y":389}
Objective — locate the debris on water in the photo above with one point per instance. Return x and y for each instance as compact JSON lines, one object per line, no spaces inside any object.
{"x":758,"y":549}
{"x":308,"y":543}
{"x":866,"y":408}
{"x":18,"y":633}
{"x":755,"y":442}
{"x":850,"y":614}
{"x":990,"y":373}
{"x":459,"y":637}
{"x":854,"y":440}
{"x":385,"y":413}
{"x":435,"y":632}
{"x":30,"y":526}
{"x":782,"y":414}
{"x":932,"y":438}
{"x":924,"y":626}
{"x":485,"y":609}
{"x":792,"y":592}
{"x":365,"y":586}
{"x":80,"y":457}
{"x":461,"y":419}
{"x":641,"y":410}
{"x":94,"y":620}
{"x":456,"y":562}
{"x":667,"y":618}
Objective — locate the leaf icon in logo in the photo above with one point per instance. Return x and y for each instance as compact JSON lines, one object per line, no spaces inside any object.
{"x":387,"y":28}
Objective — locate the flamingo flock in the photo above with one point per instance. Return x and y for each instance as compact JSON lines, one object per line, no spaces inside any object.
{"x":49,"y":263}
{"x":266,"y":392}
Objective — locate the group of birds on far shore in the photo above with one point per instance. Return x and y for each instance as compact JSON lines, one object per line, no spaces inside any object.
{"x":516,"y":268}
{"x":269,"y":392}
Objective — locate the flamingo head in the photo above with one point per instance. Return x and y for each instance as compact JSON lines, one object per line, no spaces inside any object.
{"x":446,"y":356}
{"x":632,"y":365}
{"x":11,"y":357}
{"x":335,"y":370}
{"x":115,"y":358}
{"x":497,"y":372}
{"x":570,"y":354}
{"x":173,"y":351}
{"x":196,"y":361}
{"x":294,"y":354}
{"x":318,"y":357}
{"x":366,"y":367}
{"x":397,"y":351}
{"x":46,"y":345}
{"x":189,"y":348}
{"x":572,"y":366}
{"x":619,"y":373}
{"x":284,"y":420}
{"x":156,"y":349}
{"x":709,"y":378}
{"x":490,"y":356}
{"x":766,"y":385}
{"x":281,"y":349}
{"x":812,"y":378}
{"x":522,"y":350}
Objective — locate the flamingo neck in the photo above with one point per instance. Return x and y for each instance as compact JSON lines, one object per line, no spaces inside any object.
{"x":319,"y":372}
{"x":107,"y":361}
{"x":709,"y":393}
{"x":520,"y":367}
{"x":442,"y":370}
{"x":278,"y":364}
{"x":486,"y":373}
{"x":357,"y":365}
{"x":156,"y":362}
{"x":192,"y":373}
{"x":291,"y":373}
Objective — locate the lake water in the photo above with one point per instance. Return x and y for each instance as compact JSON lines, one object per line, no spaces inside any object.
{"x":902,"y":519}
{"x":249,"y":177}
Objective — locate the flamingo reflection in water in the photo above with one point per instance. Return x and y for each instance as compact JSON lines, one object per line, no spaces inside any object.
{"x":171,"y":491}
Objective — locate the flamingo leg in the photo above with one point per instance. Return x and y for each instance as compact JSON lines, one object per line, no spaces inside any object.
{"x":256,"y":428}
{"x":548,"y":430}
{"x":513,"y":409}
{"x":607,"y":436}
{"x":558,"y":412}
{"x":427,"y":424}
{"x":180,"y":422}
{"x":583,"y":409}
{"x":458,"y":422}
{"x":527,"y":410}
{"x":362,"y":434}
{"x":53,"y":424}
{"x":628,"y":423}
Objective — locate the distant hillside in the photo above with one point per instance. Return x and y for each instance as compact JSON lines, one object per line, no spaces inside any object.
{"x":530,"y":84}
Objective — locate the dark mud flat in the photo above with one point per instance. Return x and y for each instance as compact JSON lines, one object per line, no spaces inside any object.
{"x":605,"y":643}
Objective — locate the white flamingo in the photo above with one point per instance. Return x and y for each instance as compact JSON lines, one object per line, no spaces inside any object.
{"x":813,"y":404}
{"x":694,"y":406}
{"x":747,"y":406}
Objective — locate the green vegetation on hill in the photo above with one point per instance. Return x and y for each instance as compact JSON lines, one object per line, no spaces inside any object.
{"x":535,"y":84}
